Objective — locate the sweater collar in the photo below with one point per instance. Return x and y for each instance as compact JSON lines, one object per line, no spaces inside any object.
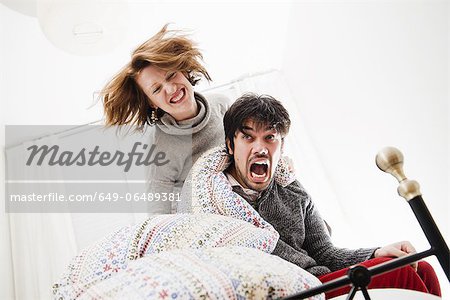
{"x":251,"y":195}
{"x":169,"y":125}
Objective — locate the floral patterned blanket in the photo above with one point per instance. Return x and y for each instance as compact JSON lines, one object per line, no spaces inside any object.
{"x":222,"y":251}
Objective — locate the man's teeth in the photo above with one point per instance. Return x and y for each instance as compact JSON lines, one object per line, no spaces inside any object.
{"x":261,"y":170}
{"x":258,"y":176}
{"x":178,"y":97}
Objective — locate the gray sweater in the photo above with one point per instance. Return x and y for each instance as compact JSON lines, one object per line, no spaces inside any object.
{"x":183,"y":143}
{"x":304,"y":239}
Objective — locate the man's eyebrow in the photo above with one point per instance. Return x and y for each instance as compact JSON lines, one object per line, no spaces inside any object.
{"x":248,"y":128}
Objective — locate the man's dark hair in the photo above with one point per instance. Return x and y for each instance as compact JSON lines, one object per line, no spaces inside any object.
{"x":264,"y":110}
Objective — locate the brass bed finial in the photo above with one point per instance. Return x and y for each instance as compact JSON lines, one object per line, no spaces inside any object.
{"x":390,"y":160}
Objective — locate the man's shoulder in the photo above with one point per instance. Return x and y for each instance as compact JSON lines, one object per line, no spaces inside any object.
{"x":292,"y":191}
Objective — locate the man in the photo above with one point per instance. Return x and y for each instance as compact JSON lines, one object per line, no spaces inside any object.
{"x":255,"y":128}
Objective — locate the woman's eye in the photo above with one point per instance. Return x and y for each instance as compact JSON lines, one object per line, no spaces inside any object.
{"x":171,"y":75}
{"x":246,"y":137}
{"x":270,"y":137}
{"x":156,"y":90}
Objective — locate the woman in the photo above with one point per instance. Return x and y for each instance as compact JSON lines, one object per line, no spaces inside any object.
{"x":157,"y":88}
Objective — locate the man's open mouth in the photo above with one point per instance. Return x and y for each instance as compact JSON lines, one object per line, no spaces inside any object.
{"x":259,"y":170}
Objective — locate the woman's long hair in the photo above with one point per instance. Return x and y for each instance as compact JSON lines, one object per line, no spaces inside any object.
{"x":124,"y":101}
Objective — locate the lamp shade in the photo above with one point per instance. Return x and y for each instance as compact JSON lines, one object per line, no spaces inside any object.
{"x":83,"y":27}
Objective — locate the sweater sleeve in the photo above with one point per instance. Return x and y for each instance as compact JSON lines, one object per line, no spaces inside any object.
{"x":300,"y":258}
{"x":319,"y":245}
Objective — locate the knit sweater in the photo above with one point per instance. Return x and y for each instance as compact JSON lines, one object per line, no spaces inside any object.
{"x":183,"y":142}
{"x":304,"y":238}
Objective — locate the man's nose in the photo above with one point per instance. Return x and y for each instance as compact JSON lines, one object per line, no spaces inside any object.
{"x":260,"y":148}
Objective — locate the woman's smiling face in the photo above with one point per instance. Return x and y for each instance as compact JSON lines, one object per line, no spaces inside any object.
{"x":170,"y":91}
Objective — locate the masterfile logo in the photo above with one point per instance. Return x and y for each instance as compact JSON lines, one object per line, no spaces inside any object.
{"x":53,"y":156}
{"x":87,"y":169}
